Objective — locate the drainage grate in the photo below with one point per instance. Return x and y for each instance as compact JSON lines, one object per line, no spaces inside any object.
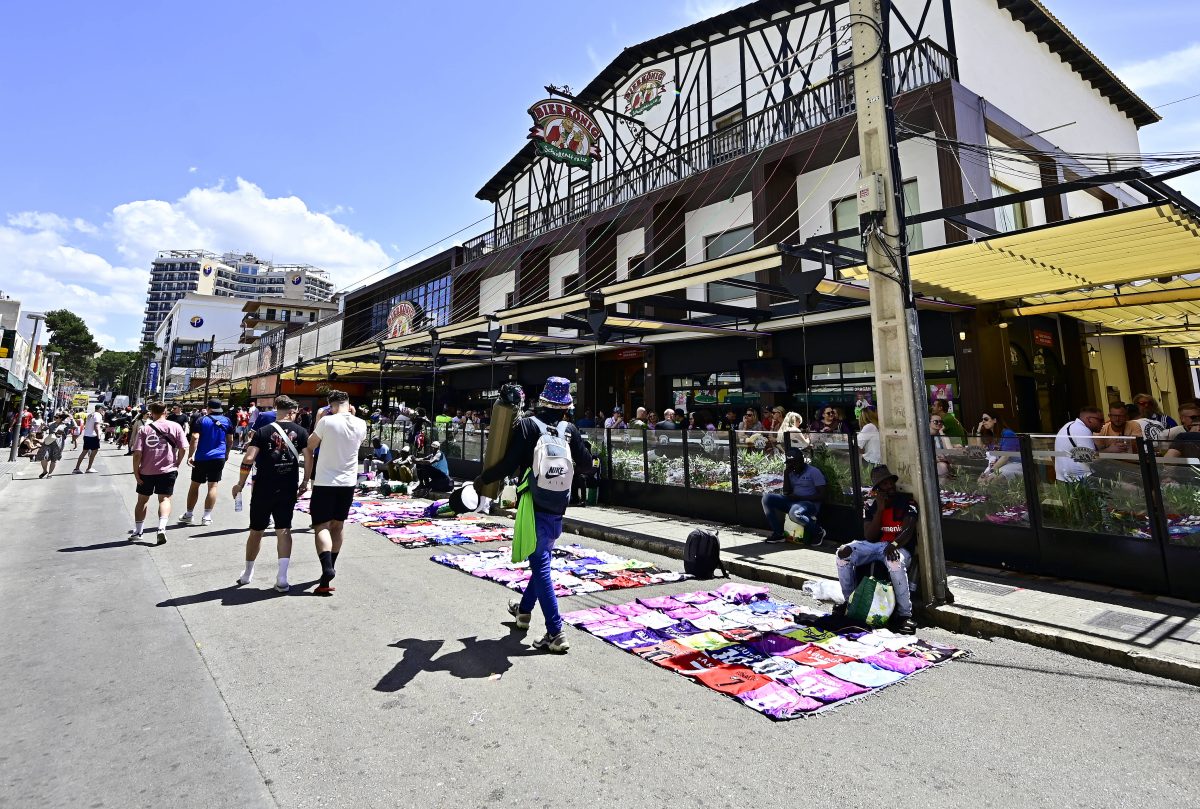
{"x":983,"y":587}
{"x":1122,"y":621}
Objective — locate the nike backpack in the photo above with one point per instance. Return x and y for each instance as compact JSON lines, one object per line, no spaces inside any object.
{"x":553,"y":469}
{"x":702,"y":555}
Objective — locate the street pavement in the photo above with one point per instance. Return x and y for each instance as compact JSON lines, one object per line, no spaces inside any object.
{"x":140,"y":676}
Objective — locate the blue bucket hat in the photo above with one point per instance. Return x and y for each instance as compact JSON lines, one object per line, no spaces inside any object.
{"x":557,"y":392}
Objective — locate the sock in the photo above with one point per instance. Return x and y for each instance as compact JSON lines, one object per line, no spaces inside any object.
{"x":333,"y":558}
{"x":326,"y":558}
{"x":248,"y":574}
{"x":162,"y":523}
{"x":187,"y":515}
{"x":283,"y":566}
{"x":137,"y":527}
{"x":208,"y":514}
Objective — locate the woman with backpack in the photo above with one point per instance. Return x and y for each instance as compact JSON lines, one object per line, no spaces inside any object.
{"x":545,"y":450}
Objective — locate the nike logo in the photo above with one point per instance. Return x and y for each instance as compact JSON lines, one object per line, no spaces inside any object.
{"x":555,"y":473}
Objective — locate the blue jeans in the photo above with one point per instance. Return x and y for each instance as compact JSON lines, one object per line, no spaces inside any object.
{"x":540,"y":588}
{"x":775,"y":505}
{"x":863,"y":552}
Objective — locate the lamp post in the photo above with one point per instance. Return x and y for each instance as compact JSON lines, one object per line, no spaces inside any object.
{"x":16,"y":436}
{"x":51,"y":357}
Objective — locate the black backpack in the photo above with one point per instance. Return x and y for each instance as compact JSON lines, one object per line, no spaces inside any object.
{"x":702,"y":555}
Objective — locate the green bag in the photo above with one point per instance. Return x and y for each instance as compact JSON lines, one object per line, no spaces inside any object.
{"x":525,"y":528}
{"x":871,"y":603}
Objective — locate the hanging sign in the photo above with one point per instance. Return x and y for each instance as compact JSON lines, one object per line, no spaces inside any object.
{"x":645,"y":92}
{"x":565,"y":133}
{"x":1043,"y":338}
{"x":152,"y":373}
{"x":400,"y":319}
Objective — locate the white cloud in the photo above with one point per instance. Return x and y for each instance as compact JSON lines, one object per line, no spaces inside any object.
{"x":43,"y":265}
{"x":193,"y":169}
{"x":1176,"y":67}
{"x":696,"y":10}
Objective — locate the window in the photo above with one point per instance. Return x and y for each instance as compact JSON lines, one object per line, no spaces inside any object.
{"x":735,"y":240}
{"x":571,"y":284}
{"x":510,"y":299}
{"x":1008,"y":217}
{"x":728,"y":138}
{"x":520,"y":223}
{"x":845,"y":217}
{"x":635,"y":266}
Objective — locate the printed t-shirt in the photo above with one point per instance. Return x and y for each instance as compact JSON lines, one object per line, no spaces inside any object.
{"x":275,"y":465}
{"x":732,"y":680}
{"x":341,"y":435}
{"x":818,"y":658}
{"x":899,"y":663}
{"x":893,"y":519}
{"x":92,"y":424}
{"x":212,"y":429}
{"x":690,"y":664}
{"x":864,"y":674}
{"x":738,"y":655}
{"x":158,"y":441}
{"x":778,"y":701}
{"x":820,"y":685}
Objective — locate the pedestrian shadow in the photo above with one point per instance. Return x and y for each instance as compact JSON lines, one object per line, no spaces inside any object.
{"x":236,"y":595}
{"x":100,"y":546}
{"x":221,"y":533}
{"x":476,"y":660}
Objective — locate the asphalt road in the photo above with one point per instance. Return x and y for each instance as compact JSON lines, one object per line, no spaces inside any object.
{"x":138,"y":676}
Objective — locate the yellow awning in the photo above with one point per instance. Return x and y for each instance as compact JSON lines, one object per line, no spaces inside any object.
{"x":1152,"y":241}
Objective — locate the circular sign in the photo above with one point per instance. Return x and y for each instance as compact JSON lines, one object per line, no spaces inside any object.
{"x":296,"y":280}
{"x":196,"y":321}
{"x":400,"y":319}
{"x":207,"y":269}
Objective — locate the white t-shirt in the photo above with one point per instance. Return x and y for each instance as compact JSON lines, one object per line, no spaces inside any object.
{"x":91,"y":425}
{"x":341,"y":435}
{"x":868,"y":444}
{"x":1074,"y":434}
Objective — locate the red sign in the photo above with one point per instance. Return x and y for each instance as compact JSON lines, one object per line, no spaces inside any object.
{"x":628,"y":354}
{"x":1043,"y":338}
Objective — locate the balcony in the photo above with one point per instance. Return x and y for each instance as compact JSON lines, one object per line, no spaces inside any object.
{"x":918,"y":65}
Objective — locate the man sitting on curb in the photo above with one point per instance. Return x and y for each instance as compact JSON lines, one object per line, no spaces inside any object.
{"x":890,"y":527}
{"x":803,"y":491}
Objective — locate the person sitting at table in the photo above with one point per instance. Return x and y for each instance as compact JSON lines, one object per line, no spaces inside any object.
{"x":941,"y":445}
{"x":791,"y":432}
{"x":1118,"y":424}
{"x":1003,"y":448}
{"x":801,"y":497}
{"x":829,"y":421}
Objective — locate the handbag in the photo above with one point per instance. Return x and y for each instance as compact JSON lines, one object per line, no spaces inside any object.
{"x":872,"y":602}
{"x":524,"y":527}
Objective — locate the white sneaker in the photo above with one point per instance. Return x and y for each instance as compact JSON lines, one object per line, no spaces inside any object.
{"x":187,"y":519}
{"x":522,"y":618}
{"x":553,"y":643}
{"x":282,"y":586}
{"x":206,"y":521}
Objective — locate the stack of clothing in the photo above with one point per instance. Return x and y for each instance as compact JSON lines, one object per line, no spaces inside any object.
{"x":422,"y":532}
{"x":573,"y":570}
{"x":740,"y":641}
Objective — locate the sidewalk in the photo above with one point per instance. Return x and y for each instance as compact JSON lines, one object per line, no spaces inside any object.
{"x":1156,"y":635}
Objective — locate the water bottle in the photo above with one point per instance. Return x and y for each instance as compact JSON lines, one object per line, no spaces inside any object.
{"x":237,"y":502}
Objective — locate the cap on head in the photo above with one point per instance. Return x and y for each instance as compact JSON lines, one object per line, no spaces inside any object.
{"x":215,"y":406}
{"x":436,"y":445}
{"x":557,"y":393}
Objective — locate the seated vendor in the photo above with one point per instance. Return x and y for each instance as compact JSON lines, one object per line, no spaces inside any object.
{"x":434,"y":470}
{"x":803,"y":491}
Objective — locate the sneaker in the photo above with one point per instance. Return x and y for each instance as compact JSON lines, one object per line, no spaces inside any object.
{"x":206,"y":521}
{"x":42,"y":475}
{"x":774,"y":538}
{"x":92,"y":472}
{"x":817,"y":539}
{"x":553,"y":643}
{"x":76,"y":471}
{"x":902,"y":625}
{"x":282,"y":587}
{"x":522,"y":618}
{"x":162,"y":538}
{"x":187,"y":519}
{"x":134,"y":535}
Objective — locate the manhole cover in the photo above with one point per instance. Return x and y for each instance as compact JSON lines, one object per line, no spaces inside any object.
{"x":985,"y":587}
{"x":1122,"y":621}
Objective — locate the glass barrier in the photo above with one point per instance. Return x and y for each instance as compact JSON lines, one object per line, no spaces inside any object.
{"x":665,"y":457}
{"x":708,"y":460}
{"x":1091,"y":484}
{"x":452,"y":440}
{"x":594,"y":438}
{"x":1179,"y":474}
{"x":981,"y":483}
{"x":628,"y":454}
{"x":759,"y":462}
{"x":472,"y":445}
{"x":831,"y":453}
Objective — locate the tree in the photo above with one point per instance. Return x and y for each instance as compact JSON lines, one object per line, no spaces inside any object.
{"x":112,"y":366}
{"x":73,"y":340}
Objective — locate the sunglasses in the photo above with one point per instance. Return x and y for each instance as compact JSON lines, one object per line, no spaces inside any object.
{"x":935,"y":421}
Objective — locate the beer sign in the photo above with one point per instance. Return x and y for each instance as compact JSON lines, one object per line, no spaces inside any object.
{"x":565,"y":133}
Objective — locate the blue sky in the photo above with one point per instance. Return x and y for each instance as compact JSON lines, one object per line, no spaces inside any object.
{"x":347,"y":135}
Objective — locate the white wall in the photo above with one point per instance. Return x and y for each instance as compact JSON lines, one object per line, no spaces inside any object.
{"x":493,"y":289}
{"x":1006,"y":65}
{"x":222,"y":317}
{"x":712,"y":220}
{"x":1081,"y":203}
{"x":1020,"y":174}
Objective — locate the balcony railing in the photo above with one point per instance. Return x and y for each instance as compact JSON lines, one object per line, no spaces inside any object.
{"x":918,"y":65}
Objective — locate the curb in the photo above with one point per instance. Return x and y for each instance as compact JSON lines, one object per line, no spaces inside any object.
{"x":950,"y":618}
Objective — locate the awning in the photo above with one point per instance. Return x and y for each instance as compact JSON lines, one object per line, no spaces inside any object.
{"x":1117,"y":247}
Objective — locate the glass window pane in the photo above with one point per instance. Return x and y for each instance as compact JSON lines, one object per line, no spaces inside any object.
{"x":912,"y":206}
{"x":708,"y":460}
{"x":627,"y":457}
{"x":1085,"y":489}
{"x":979,"y":483}
{"x":845,"y":217}
{"x":759,"y":464}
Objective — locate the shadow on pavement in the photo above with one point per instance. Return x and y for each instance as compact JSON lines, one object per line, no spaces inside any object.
{"x":221,"y":533}
{"x":476,"y":660}
{"x":118,"y":543}
{"x":236,"y":595}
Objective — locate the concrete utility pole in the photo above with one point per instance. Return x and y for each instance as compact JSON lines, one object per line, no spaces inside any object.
{"x":212,"y":348}
{"x":899,"y":373}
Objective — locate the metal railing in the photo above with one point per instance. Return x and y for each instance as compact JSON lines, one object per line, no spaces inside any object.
{"x":917,"y":65}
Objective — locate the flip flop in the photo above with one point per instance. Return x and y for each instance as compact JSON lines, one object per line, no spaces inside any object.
{"x":324,"y":591}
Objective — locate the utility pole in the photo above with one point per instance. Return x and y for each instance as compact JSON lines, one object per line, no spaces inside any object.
{"x":16,"y":433}
{"x":899,"y":373}
{"x":212,"y":347}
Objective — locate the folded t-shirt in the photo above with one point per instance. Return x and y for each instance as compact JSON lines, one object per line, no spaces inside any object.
{"x":778,"y":701}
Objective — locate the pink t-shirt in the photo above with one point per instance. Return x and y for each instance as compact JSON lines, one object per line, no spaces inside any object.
{"x":158,"y":451}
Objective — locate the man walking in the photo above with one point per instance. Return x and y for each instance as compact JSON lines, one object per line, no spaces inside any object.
{"x":212,"y":435}
{"x":93,"y":426}
{"x":275,"y":456}
{"x":158,"y":450}
{"x":549,"y":496}
{"x":338,"y":434}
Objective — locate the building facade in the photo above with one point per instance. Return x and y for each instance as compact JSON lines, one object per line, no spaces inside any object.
{"x":175,"y":273}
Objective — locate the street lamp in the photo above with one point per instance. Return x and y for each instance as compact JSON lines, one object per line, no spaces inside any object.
{"x":16,"y":436}
{"x":51,"y":363}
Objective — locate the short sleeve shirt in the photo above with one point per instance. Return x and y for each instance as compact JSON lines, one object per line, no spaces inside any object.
{"x":893,"y":519}
{"x":275,"y":464}
{"x":212,"y":431}
{"x":804,"y":484}
{"x":92,"y":424}
{"x":158,"y":441}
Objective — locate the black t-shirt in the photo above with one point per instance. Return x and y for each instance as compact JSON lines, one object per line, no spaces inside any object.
{"x":275,"y":464}
{"x":1187,"y":445}
{"x":180,"y":419}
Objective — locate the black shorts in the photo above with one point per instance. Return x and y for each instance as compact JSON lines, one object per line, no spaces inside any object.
{"x":330,"y":503}
{"x":91,"y":442}
{"x":269,"y":501}
{"x":157,"y":484}
{"x":207,"y":471}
